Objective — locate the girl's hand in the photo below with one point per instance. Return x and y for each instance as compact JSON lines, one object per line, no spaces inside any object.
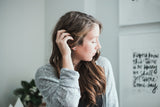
{"x":61,"y":40}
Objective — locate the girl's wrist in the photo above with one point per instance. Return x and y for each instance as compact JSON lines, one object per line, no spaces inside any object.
{"x":67,"y":62}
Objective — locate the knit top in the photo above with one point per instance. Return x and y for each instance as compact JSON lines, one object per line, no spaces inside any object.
{"x":65,"y":92}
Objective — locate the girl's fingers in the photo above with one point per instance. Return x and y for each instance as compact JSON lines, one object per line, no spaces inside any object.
{"x":63,"y":35}
{"x":67,"y":38}
{"x":59,"y":33}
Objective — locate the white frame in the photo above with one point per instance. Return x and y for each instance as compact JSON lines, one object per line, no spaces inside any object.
{"x":138,"y":11}
{"x":128,"y":43}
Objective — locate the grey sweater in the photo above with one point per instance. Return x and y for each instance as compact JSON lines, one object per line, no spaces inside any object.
{"x":65,"y":92}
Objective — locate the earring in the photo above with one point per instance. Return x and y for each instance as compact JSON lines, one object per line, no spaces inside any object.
{"x":74,"y":48}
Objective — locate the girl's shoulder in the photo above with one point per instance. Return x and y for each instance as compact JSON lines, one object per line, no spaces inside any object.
{"x":103,"y":62}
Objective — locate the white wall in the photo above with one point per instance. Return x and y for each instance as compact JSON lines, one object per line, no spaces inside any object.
{"x":21,"y":44}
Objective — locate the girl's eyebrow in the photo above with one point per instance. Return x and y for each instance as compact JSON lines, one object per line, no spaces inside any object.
{"x":93,"y":37}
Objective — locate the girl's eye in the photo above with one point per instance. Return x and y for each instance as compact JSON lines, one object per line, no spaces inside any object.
{"x":94,"y":42}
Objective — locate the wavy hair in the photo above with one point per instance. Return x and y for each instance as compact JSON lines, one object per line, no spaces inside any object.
{"x":92,"y":79}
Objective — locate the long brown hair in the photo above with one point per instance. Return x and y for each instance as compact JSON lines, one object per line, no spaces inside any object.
{"x":92,"y":79}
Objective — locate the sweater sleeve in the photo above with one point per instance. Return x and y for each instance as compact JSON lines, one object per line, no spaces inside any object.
{"x":58,"y":92}
{"x":110,"y":98}
{"x":111,"y":92}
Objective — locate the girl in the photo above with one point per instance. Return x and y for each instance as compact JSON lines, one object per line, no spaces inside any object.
{"x":77,"y":76}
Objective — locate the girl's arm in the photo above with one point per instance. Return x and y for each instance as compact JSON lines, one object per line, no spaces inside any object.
{"x":63,"y":92}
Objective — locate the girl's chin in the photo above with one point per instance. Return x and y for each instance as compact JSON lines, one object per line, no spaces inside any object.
{"x":88,"y":59}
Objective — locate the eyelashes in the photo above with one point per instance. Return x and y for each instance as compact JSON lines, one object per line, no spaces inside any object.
{"x":94,"y":42}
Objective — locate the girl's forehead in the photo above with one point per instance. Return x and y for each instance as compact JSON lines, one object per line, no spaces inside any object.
{"x":94,"y":32}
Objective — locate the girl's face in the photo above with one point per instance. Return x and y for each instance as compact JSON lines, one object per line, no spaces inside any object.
{"x":88,"y":49}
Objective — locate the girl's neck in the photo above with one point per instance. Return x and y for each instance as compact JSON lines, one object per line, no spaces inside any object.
{"x":75,"y":61}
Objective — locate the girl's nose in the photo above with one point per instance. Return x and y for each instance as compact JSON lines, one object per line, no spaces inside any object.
{"x":98,"y":45}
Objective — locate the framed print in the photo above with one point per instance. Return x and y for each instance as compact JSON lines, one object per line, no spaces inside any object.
{"x":139,"y":66}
